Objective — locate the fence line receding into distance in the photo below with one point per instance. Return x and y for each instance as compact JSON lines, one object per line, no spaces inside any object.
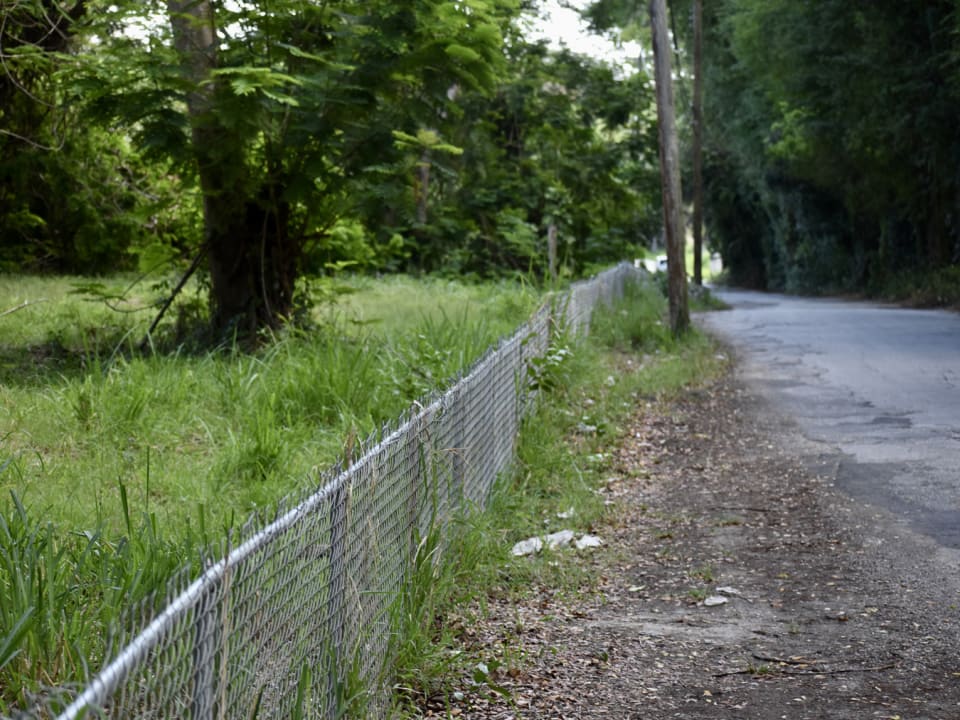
{"x":313,"y":588}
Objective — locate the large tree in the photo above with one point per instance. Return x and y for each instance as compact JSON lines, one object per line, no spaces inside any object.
{"x":669,"y":171}
{"x":278,"y":106}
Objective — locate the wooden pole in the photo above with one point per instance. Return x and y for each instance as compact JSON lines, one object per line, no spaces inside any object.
{"x":669,"y":171}
{"x":698,"y":142}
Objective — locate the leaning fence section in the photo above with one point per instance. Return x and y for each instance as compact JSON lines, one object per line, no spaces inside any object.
{"x":296,"y":614}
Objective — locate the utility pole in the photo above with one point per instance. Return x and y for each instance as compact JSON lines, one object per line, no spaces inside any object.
{"x":698,"y":142}
{"x":669,"y":171}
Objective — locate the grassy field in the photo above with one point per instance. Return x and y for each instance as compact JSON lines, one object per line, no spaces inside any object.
{"x":116,"y":466}
{"x":216,"y":435}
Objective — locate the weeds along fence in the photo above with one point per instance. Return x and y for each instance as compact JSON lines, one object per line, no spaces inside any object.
{"x":294,"y":620}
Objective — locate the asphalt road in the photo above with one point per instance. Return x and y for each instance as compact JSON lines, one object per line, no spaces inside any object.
{"x":876,"y":389}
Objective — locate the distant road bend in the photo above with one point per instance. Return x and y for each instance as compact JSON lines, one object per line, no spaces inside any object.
{"x":878,"y":387}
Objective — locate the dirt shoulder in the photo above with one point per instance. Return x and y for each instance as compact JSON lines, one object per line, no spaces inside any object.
{"x":735,"y":582}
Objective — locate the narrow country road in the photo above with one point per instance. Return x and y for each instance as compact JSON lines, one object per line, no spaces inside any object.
{"x":877,"y":387}
{"x":781,"y":541}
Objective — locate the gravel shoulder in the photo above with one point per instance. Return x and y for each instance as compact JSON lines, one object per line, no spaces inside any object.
{"x":735,"y":582}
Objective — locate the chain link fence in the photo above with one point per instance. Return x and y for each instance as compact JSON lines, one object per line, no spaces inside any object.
{"x":294,"y":619}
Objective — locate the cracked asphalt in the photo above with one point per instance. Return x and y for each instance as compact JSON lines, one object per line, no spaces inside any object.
{"x":876,"y":387}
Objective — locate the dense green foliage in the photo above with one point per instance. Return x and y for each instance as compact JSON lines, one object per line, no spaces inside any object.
{"x":431,"y":136}
{"x":288,"y":139}
{"x":561,"y":141}
{"x":73,"y":196}
{"x":834,"y":161}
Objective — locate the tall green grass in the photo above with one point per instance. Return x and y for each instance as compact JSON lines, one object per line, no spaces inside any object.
{"x":117,"y":466}
{"x":225,"y":431}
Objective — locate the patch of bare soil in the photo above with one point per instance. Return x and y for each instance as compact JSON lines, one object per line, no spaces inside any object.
{"x":736,"y":582}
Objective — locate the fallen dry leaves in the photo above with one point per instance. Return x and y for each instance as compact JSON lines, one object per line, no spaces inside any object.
{"x":828,"y":613}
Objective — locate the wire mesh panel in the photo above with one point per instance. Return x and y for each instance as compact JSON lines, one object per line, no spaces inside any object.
{"x":297,"y":611}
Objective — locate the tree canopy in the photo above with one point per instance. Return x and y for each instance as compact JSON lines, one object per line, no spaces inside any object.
{"x":833,"y":155}
{"x":266,"y":141}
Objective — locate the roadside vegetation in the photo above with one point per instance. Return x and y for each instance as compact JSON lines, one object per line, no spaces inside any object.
{"x":375,"y":136}
{"x":117,"y":465}
{"x":595,"y":384}
{"x":937,"y":288}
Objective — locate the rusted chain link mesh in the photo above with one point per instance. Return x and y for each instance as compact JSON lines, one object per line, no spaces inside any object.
{"x":308,"y":596}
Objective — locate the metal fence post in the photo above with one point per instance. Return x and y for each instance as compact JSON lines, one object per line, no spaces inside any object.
{"x":205,"y":644}
{"x":336,"y":599}
{"x":458,"y":462}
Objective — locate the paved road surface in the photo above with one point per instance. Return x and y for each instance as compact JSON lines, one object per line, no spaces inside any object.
{"x":877,"y":388}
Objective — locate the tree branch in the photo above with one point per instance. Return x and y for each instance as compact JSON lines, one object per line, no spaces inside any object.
{"x":21,"y":306}
{"x":173,"y":296}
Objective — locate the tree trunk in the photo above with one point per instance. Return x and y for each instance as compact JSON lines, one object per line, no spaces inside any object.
{"x":698,"y":142}
{"x":253,"y":261}
{"x":669,"y":171}
{"x":423,"y":186}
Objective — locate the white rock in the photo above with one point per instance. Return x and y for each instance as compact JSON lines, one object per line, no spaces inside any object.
{"x":715,"y":600}
{"x":727,"y":590}
{"x":555,"y":541}
{"x":566,"y":515}
{"x":527,"y":547}
{"x":559,"y":539}
{"x":589,"y":541}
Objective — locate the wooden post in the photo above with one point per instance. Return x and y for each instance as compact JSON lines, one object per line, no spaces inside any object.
{"x":669,"y":171}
